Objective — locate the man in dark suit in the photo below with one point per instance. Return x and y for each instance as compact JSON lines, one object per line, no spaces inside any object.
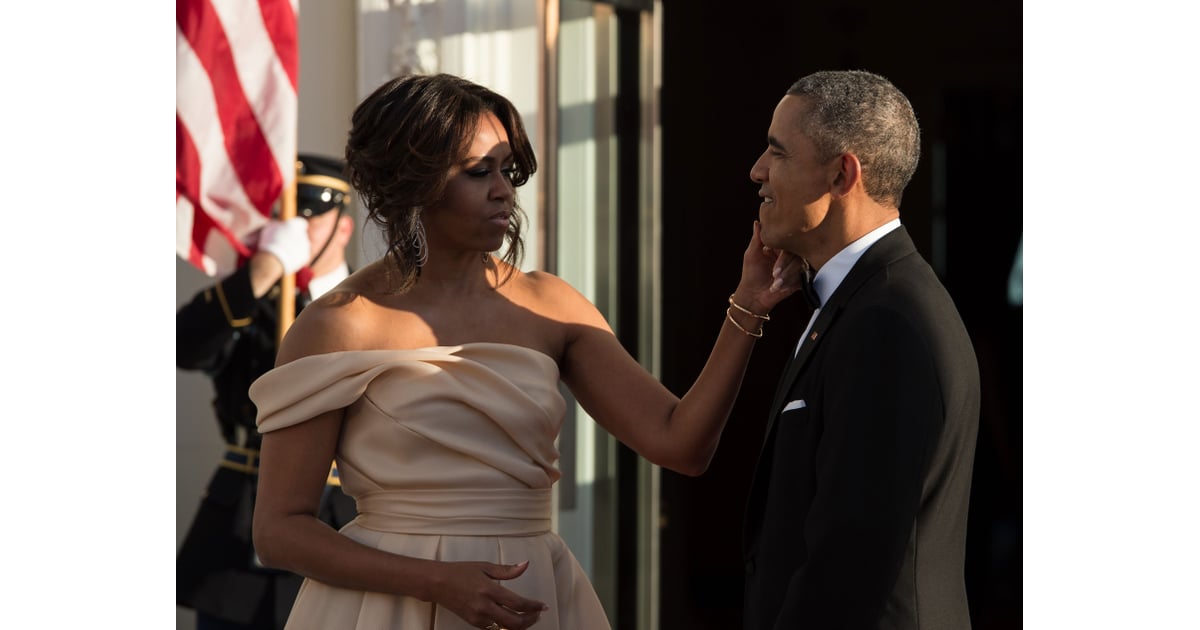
{"x":230,"y":332}
{"x":857,"y":514}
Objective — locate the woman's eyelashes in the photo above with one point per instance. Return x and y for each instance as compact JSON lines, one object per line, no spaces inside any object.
{"x":509,"y":172}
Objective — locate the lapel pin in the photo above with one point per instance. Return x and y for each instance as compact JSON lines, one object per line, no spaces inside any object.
{"x":813,"y":336}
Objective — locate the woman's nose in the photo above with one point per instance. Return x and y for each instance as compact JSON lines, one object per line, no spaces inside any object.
{"x":503,"y":186}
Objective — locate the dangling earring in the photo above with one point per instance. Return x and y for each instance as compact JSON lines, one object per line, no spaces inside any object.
{"x":419,"y":245}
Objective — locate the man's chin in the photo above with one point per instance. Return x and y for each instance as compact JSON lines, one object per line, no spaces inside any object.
{"x":768,"y":238}
{"x":783,"y":244}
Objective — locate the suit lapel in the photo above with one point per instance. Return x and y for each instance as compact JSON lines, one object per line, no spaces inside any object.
{"x":893,"y":246}
{"x":824,"y":319}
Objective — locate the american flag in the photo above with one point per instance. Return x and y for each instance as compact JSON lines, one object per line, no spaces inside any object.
{"x":236,"y":67}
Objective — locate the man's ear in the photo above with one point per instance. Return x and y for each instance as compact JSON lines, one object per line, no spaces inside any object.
{"x":345,"y":224}
{"x":847,"y":176}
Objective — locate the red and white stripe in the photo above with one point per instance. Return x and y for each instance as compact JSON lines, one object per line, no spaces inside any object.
{"x":236,"y":67}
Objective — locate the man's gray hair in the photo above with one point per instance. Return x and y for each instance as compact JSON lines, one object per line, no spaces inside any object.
{"x":859,"y":112}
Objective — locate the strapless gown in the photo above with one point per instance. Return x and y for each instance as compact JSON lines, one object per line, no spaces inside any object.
{"x":449,"y":452}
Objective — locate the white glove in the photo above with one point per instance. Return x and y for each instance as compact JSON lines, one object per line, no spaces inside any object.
{"x":287,"y":241}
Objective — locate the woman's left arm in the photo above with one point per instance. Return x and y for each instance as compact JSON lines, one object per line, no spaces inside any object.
{"x":677,"y":433}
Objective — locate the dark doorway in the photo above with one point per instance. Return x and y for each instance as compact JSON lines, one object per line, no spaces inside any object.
{"x":724,"y":68}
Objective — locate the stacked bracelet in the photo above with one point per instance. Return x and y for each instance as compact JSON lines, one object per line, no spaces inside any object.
{"x":729,"y":316}
{"x":765,"y":318}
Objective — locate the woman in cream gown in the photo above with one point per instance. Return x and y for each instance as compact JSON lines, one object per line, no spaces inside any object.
{"x":431,"y":377}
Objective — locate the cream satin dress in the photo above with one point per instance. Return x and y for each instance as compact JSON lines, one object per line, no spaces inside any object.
{"x":449,"y":452}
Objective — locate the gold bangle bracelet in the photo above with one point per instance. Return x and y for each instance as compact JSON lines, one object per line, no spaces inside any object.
{"x":765,"y":318}
{"x":729,"y":316}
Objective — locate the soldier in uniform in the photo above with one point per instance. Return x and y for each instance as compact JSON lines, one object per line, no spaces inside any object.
{"x":230,"y":332}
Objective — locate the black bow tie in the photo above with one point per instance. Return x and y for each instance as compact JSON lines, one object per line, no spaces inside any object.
{"x":810,"y":293}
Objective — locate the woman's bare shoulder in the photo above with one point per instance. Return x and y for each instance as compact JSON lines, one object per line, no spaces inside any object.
{"x":554,"y":297}
{"x":361,"y":313}
{"x":334,"y":322}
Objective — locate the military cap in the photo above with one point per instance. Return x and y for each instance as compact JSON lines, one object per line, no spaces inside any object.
{"x":321,"y":185}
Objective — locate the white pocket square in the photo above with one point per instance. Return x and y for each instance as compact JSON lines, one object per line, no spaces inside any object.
{"x":795,"y":404}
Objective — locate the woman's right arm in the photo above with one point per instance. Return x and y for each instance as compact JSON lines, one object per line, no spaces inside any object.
{"x":287,"y":534}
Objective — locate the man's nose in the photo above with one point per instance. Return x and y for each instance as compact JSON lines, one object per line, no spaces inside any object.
{"x":758,"y":172}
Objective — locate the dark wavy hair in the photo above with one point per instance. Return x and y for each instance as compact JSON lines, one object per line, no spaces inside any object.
{"x":862,"y":113}
{"x":405,"y":137}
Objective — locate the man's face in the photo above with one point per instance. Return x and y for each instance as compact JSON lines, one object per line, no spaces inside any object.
{"x":319,"y":228}
{"x":795,"y":186}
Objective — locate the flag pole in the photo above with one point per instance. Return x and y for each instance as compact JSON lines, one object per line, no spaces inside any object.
{"x":287,"y":284}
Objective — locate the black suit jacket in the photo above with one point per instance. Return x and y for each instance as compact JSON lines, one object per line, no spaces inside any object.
{"x":857,"y":516}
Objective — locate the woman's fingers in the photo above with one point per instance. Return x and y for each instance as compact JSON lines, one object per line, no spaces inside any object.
{"x":510,"y":610}
{"x":505,"y":571}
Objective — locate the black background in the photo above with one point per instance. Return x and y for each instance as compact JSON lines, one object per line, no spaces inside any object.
{"x":725,"y":66}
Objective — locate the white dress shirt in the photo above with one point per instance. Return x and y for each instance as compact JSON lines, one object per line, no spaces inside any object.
{"x":831,"y":274}
{"x":318,"y":285}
